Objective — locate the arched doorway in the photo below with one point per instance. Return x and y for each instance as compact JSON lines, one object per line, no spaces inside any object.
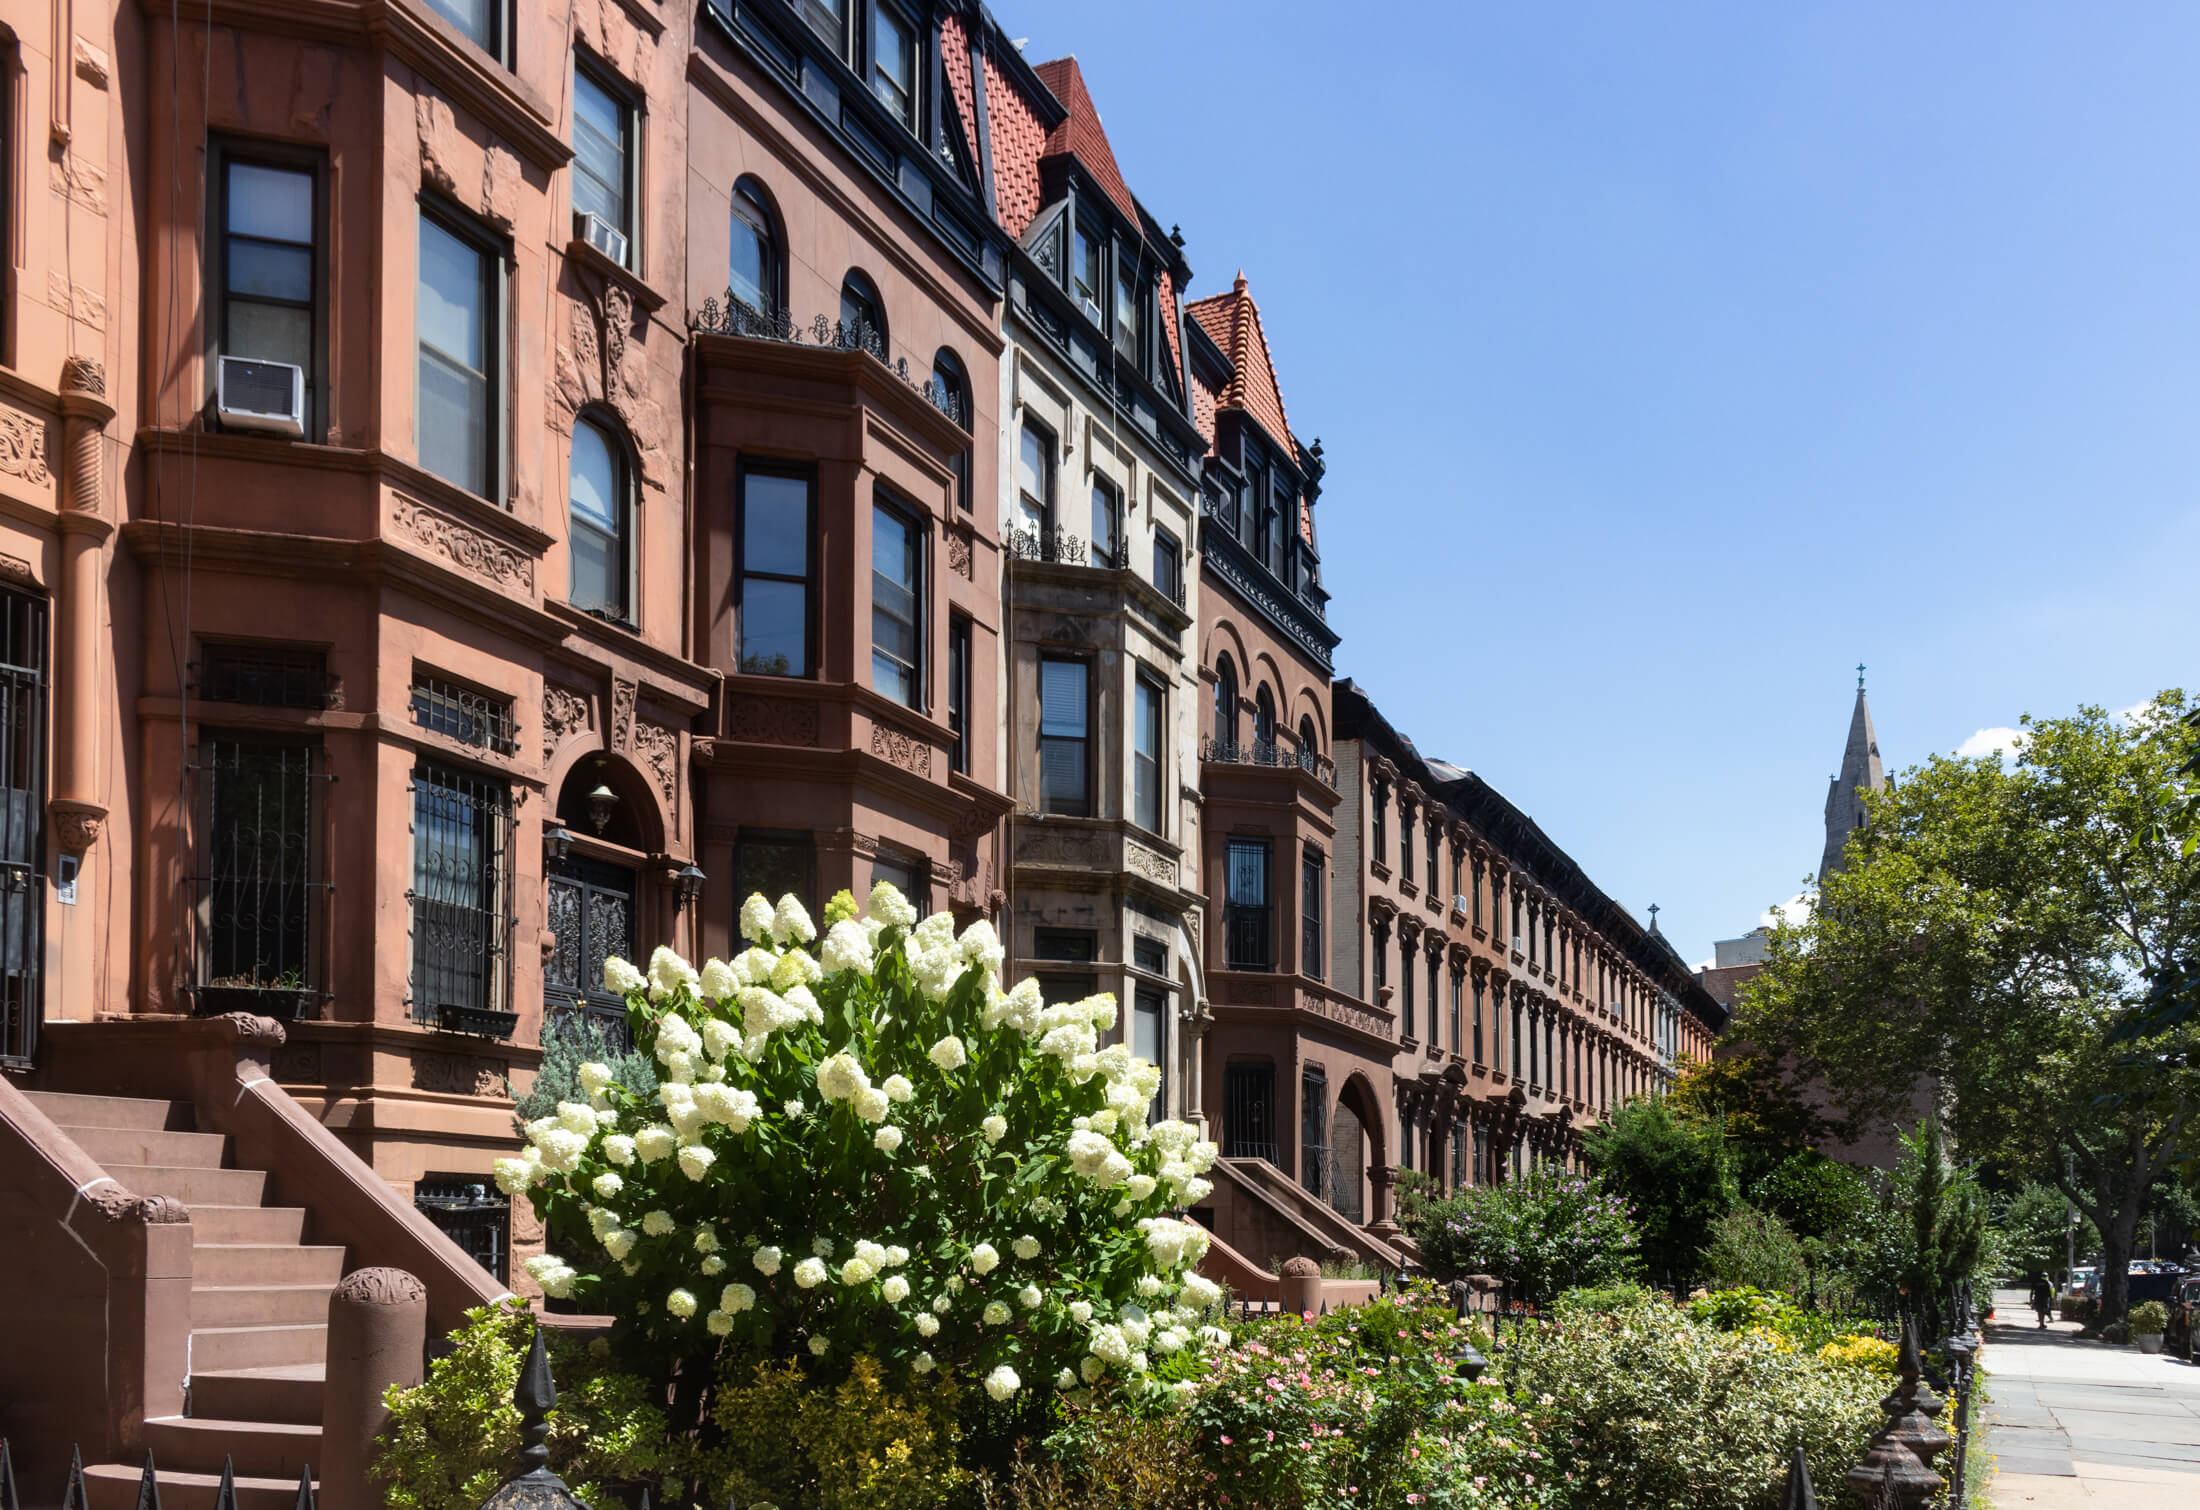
{"x":1347,"y":1163}
{"x":608,"y":816}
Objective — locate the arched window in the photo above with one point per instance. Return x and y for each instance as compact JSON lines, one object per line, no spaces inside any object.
{"x":598,"y":510}
{"x":951,"y":391}
{"x":1226,"y":706}
{"x":1264,"y":721}
{"x":862,"y":316}
{"x":754,"y":263}
{"x":1309,"y":747}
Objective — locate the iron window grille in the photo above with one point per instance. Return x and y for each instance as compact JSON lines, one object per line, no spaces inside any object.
{"x":22,"y":821}
{"x":1246,"y":909}
{"x":1055,"y":545}
{"x":264,"y":676}
{"x":473,"y":1214}
{"x":480,"y":719}
{"x":259,"y":896}
{"x":1249,"y":1112}
{"x":1314,"y":1134}
{"x":591,"y":919}
{"x":461,"y":895}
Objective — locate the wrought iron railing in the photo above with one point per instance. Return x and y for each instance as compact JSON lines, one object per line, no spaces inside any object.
{"x":1245,"y":937}
{"x":461,"y":894}
{"x":1271,"y":753}
{"x":737,"y":317}
{"x":472,"y":718}
{"x":1249,"y":1112}
{"x":473,"y":1214}
{"x":1056,"y":545}
{"x":264,"y":676}
{"x":260,"y":895}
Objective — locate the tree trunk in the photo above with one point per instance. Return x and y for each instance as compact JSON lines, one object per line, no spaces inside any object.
{"x":2115,"y":1269}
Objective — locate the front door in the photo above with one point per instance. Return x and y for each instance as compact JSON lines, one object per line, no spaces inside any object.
{"x":592,"y":915}
{"x":22,"y":827}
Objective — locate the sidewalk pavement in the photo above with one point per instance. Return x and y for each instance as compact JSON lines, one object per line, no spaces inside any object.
{"x":2074,"y":1423}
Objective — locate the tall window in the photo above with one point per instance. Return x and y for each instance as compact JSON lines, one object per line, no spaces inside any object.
{"x":953,"y":389}
{"x":1405,"y":842}
{"x":260,"y":897}
{"x":1310,"y":913}
{"x":1035,"y":481}
{"x":1249,"y":1111}
{"x":862,"y":315}
{"x":911,"y":875}
{"x":270,"y":274}
{"x":1264,"y":722}
{"x":829,"y":19}
{"x":958,"y":692}
{"x":1107,"y":523}
{"x":774,"y":569}
{"x":1147,"y":766}
{"x":1314,"y":1131}
{"x":1435,"y":846}
{"x":1408,"y":1025}
{"x":481,"y":22}
{"x":1226,"y":706}
{"x":897,"y":605}
{"x":1379,"y":958}
{"x":1150,"y":1036}
{"x":1458,"y":1155}
{"x":1065,"y":737}
{"x":1087,"y":265}
{"x":1516,"y":1028}
{"x":1478,"y":1003}
{"x":753,"y":266}
{"x":1246,"y":910}
{"x":603,"y":153}
{"x":457,"y":318}
{"x":598,"y":507}
{"x":894,"y":63}
{"x":1168,"y":566}
{"x":1458,"y":1010}
{"x":1126,"y":307}
{"x":1379,"y":824}
{"x":1435,"y":997}
{"x":773,"y":863}
{"x":461,"y":891}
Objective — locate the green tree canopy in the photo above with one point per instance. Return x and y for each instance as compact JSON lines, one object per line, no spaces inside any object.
{"x":1674,"y":1172}
{"x":1994,"y":921}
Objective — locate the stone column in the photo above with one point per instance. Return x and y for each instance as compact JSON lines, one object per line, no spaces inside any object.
{"x":78,"y":814}
{"x":377,"y":1337}
{"x":1302,"y":1286}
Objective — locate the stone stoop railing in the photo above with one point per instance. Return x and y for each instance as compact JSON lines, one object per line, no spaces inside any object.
{"x":1336,"y":1234}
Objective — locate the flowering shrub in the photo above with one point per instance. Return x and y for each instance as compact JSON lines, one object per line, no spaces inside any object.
{"x":453,"y":1438}
{"x":859,"y":1445}
{"x":1646,"y":1406}
{"x":1540,"y":1234}
{"x":1745,"y":1308}
{"x":1363,"y":1407}
{"x":1875,"y":1353}
{"x":861,"y":1144}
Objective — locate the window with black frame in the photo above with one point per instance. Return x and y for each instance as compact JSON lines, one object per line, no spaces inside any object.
{"x":480,"y":22}
{"x":1249,"y":1110}
{"x":1150,"y":1038}
{"x":598,"y":508}
{"x":1148,"y":722}
{"x":1314,"y":1132}
{"x":271,"y":272}
{"x":1074,"y":946}
{"x":829,"y":19}
{"x":259,"y":895}
{"x":754,"y":261}
{"x":894,"y":55}
{"x":1311,"y":889}
{"x":461,"y":894}
{"x":951,"y":388}
{"x":958,"y":692}
{"x":1168,"y":566}
{"x":911,"y":875}
{"x":1065,"y":737}
{"x":775,"y":558}
{"x":862,"y":315}
{"x":1435,"y":989}
{"x":605,"y":152}
{"x":1107,"y":524}
{"x":1035,"y":486}
{"x":1247,"y":941}
{"x":1226,"y":708}
{"x":774,"y":863}
{"x":1378,"y":958}
{"x":459,"y":329}
{"x":897,"y":605}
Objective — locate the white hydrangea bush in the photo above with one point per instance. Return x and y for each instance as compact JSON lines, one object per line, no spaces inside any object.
{"x":861,"y":1143}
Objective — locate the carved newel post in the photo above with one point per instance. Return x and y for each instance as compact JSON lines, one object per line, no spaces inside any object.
{"x":377,"y":1335}
{"x":1901,"y":1453}
{"x":1302,"y":1285}
{"x":534,"y":1487}
{"x":75,"y":808}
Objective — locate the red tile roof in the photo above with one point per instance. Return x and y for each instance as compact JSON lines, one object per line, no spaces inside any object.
{"x":1082,"y":133}
{"x":1018,"y":143}
{"x":955,"y":59}
{"x":1168,"y":321}
{"x":1233,"y":320}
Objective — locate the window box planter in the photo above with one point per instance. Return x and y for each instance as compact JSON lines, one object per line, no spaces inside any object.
{"x":478,"y":1022}
{"x":283,"y":1003}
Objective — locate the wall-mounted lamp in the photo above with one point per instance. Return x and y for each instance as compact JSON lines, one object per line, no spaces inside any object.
{"x":689,"y":879}
{"x":600,"y":803}
{"x":557,"y":842}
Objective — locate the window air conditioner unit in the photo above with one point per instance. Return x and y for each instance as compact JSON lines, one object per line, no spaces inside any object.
{"x":266,"y":396}
{"x":1092,"y":312}
{"x":1459,"y":903}
{"x":601,"y":235}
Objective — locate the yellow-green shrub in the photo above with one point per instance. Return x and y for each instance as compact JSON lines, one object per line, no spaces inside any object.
{"x":857,"y":1445}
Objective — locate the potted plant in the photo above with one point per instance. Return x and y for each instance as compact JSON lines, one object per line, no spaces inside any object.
{"x":281,"y":995}
{"x":2148,"y":1320}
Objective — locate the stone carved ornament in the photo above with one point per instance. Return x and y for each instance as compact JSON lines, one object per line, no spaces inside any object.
{"x":659,"y":749}
{"x":379,"y":1287}
{"x":772,"y":721}
{"x":564,"y":712}
{"x":464,"y":546}
{"x":120,"y":1205}
{"x":622,"y":714}
{"x":898,"y":748}
{"x":23,"y":445}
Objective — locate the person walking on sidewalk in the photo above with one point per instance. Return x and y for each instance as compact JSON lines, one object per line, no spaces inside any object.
{"x":2043,"y":1299}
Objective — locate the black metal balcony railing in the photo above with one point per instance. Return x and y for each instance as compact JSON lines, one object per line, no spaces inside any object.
{"x":1245,"y":938}
{"x":1056,"y":545}
{"x":1271,"y":753}
{"x":738,"y":317}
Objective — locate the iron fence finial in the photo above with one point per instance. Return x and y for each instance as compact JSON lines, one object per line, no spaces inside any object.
{"x":225,"y":1493}
{"x":74,"y":1497}
{"x":305,"y":1488}
{"x":148,"y":1495}
{"x":8,"y":1498}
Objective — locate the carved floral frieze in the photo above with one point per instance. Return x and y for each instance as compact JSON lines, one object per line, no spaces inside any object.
{"x":464,"y":546}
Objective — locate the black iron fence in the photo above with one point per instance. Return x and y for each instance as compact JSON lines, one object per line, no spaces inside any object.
{"x":76,"y":1495}
{"x":737,"y":317}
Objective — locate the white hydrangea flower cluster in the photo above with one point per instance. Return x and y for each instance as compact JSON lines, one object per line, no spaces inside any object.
{"x":890,"y":1019}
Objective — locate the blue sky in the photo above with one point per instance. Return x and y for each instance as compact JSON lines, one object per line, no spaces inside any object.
{"x":1671,"y":359}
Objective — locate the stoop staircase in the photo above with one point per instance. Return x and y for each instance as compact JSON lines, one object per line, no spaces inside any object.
{"x":259,"y":1311}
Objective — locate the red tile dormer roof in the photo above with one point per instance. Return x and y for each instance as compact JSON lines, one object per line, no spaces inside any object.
{"x":1082,"y":134}
{"x":1232,"y":321}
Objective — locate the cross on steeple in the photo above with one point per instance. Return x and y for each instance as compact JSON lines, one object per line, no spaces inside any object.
{"x":1653,"y":917}
{"x":1859,"y":676}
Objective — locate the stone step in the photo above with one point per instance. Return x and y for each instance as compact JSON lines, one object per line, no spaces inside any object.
{"x":259,"y":1305}
{"x":264,"y":1264}
{"x":142,"y":1146}
{"x":221,"y":1187}
{"x":247,"y":1224}
{"x":262,"y":1449}
{"x":113,"y":1111}
{"x":114,"y":1486}
{"x":279,"y":1392}
{"x":224,"y":1347}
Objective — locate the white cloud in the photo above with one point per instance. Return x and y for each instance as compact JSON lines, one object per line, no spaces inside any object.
{"x":1795,"y":910}
{"x":1992,"y":742}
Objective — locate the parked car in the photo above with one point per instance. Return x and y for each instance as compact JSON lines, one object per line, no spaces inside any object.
{"x":2184,"y":1320}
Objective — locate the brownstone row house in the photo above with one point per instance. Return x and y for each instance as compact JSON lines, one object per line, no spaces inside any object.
{"x":485,"y":485}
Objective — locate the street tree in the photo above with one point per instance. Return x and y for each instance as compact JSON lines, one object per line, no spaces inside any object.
{"x":1994,"y":925}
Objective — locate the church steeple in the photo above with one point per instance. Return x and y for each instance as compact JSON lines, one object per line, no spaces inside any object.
{"x":1861,"y":771}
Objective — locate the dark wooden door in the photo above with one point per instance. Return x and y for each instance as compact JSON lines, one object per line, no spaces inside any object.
{"x":592,"y":915}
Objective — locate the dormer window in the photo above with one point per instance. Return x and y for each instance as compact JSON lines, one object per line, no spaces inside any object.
{"x":1088,"y":277}
{"x":894,"y":63}
{"x":829,"y":19}
{"x":1126,"y":306}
